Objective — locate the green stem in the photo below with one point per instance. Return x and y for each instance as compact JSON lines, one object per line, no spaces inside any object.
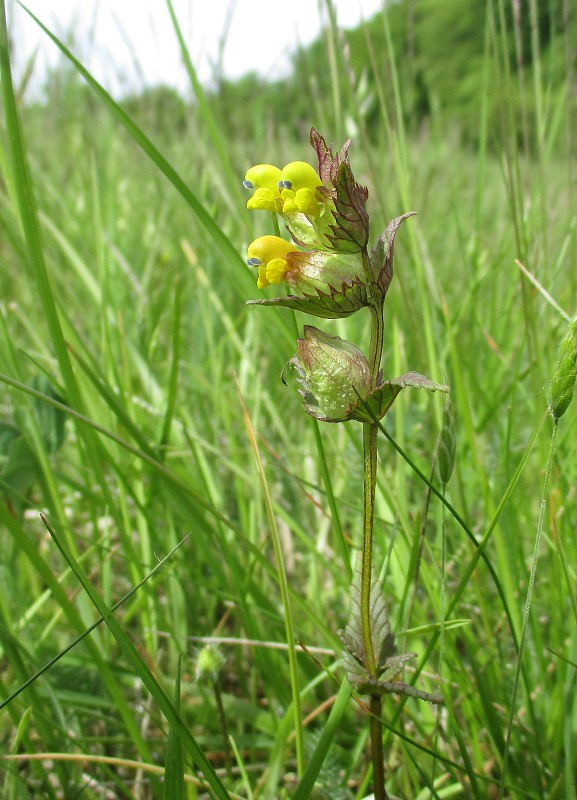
{"x":223,"y":727}
{"x":377,"y":753}
{"x":370,"y":433}
{"x":370,"y":461}
{"x":275,"y":225}
{"x":376,"y":346}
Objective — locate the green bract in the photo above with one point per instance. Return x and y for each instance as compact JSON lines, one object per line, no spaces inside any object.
{"x":332,"y":374}
{"x":330,"y":304}
{"x":335,"y":380}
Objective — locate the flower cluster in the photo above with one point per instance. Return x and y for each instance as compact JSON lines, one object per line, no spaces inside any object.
{"x":331,"y":273}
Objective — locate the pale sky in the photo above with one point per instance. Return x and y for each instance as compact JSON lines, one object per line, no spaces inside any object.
{"x":131,"y":43}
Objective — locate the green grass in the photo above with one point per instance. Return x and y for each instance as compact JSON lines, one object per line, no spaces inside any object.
{"x":123,"y":308}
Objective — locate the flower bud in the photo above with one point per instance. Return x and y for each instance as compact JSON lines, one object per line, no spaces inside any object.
{"x":563,"y":381}
{"x":209,"y":662}
{"x":447,"y":444}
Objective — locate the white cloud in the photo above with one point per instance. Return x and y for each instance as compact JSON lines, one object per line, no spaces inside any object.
{"x":129,"y":43}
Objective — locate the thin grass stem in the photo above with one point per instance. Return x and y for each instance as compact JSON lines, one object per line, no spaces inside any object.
{"x":527,"y":609}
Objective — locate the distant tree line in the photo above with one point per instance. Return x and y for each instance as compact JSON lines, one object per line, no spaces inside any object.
{"x":461,"y":64}
{"x":448,"y":54}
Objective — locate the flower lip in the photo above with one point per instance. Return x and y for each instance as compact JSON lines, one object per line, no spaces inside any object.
{"x":248,"y":184}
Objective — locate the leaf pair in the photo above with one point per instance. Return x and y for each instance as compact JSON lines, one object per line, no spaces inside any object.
{"x":389,"y":663}
{"x":335,"y":380}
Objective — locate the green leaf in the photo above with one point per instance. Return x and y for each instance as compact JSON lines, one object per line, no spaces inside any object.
{"x":334,"y":304}
{"x":379,"y":401}
{"x":351,"y":228}
{"x":382,"y":253}
{"x":174,"y":765}
{"x":383,"y":640}
{"x":389,"y":663}
{"x":51,"y":420}
{"x":141,"y":669}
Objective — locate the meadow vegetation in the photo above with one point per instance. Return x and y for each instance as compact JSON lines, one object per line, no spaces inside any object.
{"x":134,"y":377}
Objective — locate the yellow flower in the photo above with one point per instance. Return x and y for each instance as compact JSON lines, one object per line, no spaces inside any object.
{"x":264,"y":178}
{"x":298,"y":183}
{"x":299,"y":175}
{"x":287,"y":191}
{"x":269,"y":253}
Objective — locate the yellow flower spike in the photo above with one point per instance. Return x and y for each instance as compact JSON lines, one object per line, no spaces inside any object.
{"x":268,"y":253}
{"x":304,"y":201}
{"x":289,"y":205}
{"x":264,"y":180}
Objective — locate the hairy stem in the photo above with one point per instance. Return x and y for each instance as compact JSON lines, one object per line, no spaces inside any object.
{"x":376,"y":346}
{"x":370,"y":460}
{"x":370,"y":433}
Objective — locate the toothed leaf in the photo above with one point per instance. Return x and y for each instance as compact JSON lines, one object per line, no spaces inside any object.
{"x":328,"y":163}
{"x":382,"y":398}
{"x":328,"y":305}
{"x":382,"y":253}
{"x":350,"y":232}
{"x":389,"y":663}
{"x":382,"y":638}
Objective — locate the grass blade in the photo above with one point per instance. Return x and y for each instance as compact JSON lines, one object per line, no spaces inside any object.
{"x":174,"y":764}
{"x":222,"y":241}
{"x":137,"y":663}
{"x":330,"y":730}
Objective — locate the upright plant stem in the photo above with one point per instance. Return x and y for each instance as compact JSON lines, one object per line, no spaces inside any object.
{"x":370,"y":432}
{"x":377,"y":752}
{"x":376,"y":346}
{"x":370,"y":474}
